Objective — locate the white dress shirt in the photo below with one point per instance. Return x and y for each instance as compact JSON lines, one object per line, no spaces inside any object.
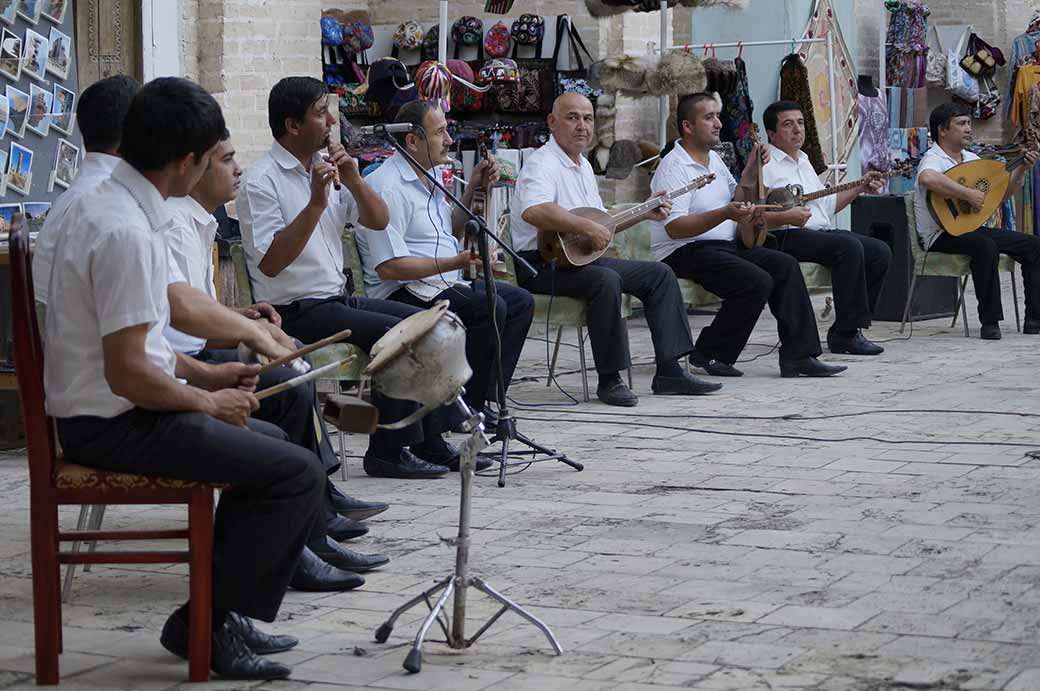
{"x":934,"y":159}
{"x":783,"y":170}
{"x":96,"y":168}
{"x":274,"y":191}
{"x":109,"y":275}
{"x":420,"y":226}
{"x":678,"y":169}
{"x":190,"y":236}
{"x":549,"y":175}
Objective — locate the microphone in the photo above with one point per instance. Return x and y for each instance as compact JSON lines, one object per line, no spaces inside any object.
{"x":393,"y":128}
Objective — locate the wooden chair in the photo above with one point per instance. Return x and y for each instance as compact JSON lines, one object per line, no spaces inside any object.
{"x":53,"y":483}
{"x":943,"y":264}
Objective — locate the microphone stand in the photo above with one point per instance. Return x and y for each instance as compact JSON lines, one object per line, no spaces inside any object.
{"x":505,"y":430}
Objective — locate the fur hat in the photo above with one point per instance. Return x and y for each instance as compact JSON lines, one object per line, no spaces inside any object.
{"x":626,"y":73}
{"x":678,"y":72}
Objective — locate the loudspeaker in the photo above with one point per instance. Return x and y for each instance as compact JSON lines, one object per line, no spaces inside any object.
{"x":883,"y":216}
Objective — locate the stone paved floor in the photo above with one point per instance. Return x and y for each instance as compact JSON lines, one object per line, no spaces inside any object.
{"x":703,"y":552}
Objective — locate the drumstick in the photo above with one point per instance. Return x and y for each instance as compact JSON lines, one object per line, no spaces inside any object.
{"x":302,"y":379}
{"x":305,"y":350}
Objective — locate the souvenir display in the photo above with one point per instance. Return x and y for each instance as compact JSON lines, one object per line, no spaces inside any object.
{"x":30,"y":10}
{"x":34,"y":55}
{"x":7,"y":10}
{"x":19,"y":168}
{"x":66,"y":163}
{"x":54,"y":10}
{"x":10,"y":55}
{"x":63,"y":109}
{"x":39,"y":120}
{"x":59,"y":55}
{"x":19,"y":111}
{"x":7,"y":211}
{"x":35,"y":214}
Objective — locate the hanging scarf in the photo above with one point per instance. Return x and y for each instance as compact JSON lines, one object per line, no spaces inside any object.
{"x":737,"y":116}
{"x":794,"y":86}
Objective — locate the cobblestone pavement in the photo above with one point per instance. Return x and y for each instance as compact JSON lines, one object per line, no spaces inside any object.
{"x":698,"y":549}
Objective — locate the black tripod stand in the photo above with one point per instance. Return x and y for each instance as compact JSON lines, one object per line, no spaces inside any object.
{"x":505,"y":431}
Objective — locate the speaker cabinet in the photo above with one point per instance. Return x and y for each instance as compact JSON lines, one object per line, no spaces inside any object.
{"x":883,"y":216}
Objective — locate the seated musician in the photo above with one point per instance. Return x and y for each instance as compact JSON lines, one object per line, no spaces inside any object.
{"x":950,"y":125}
{"x":99,"y":115}
{"x":190,"y":236}
{"x":292,"y":219}
{"x":114,"y":386}
{"x":557,"y":178}
{"x":417,"y":259}
{"x":857,"y":263}
{"x":699,"y":241}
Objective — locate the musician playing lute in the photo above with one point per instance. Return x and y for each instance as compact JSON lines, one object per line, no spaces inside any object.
{"x":950,"y":125}
{"x":699,"y":241}
{"x":809,"y":233}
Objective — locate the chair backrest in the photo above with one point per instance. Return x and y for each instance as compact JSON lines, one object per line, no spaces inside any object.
{"x":913,"y":239}
{"x":352,"y":259}
{"x":242,"y":281}
{"x":28,"y":360}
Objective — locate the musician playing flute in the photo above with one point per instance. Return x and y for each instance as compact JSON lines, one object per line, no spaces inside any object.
{"x":557,"y":178}
{"x":808,"y":233}
{"x":418,"y":260}
{"x":950,"y":125}
{"x":698,"y":240}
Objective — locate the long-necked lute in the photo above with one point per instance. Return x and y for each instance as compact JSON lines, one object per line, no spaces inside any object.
{"x":571,"y":249}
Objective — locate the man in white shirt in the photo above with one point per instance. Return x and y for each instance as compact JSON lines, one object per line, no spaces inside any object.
{"x":99,"y":116}
{"x":857,"y":263}
{"x":292,"y":218}
{"x":117,"y":389}
{"x":190,"y":236}
{"x":950,"y":126}
{"x":699,"y":241}
{"x":417,"y":259}
{"x":557,"y":178}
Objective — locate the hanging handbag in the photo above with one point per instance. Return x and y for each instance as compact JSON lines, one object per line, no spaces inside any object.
{"x":352,"y":99}
{"x":958,"y":81}
{"x":574,"y":80}
{"x":536,"y":89}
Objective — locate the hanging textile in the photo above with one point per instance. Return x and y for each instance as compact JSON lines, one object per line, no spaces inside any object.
{"x":906,"y":143}
{"x":906,"y":43}
{"x":794,"y":86}
{"x":737,"y":115}
{"x":873,"y":134}
{"x":824,"y":21}
{"x":907,"y":107}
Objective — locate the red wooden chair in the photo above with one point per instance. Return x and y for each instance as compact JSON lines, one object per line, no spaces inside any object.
{"x":53,"y":482}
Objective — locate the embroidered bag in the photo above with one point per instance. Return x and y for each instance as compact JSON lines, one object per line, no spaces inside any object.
{"x":574,"y":80}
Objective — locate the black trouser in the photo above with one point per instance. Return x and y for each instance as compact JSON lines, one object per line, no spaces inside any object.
{"x":514,"y":310}
{"x":296,"y":413}
{"x":263,"y":518}
{"x":601,"y":284}
{"x":985,"y":246}
{"x":368,"y":319}
{"x":857,"y":263}
{"x":746,"y":280}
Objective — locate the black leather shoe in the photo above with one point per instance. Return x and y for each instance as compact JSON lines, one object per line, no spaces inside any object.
{"x":353,"y":508}
{"x":259,"y":642}
{"x":857,"y":344}
{"x":716,"y":368}
{"x":232,"y":658}
{"x":809,"y":367}
{"x":405,"y":466}
{"x":314,"y":575}
{"x":346,"y":559}
{"x":481,"y":464}
{"x":340,"y":529}
{"x":436,"y":451}
{"x":685,"y":385}
{"x":617,"y":394}
{"x":1031,"y":326}
{"x":990,"y":332}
